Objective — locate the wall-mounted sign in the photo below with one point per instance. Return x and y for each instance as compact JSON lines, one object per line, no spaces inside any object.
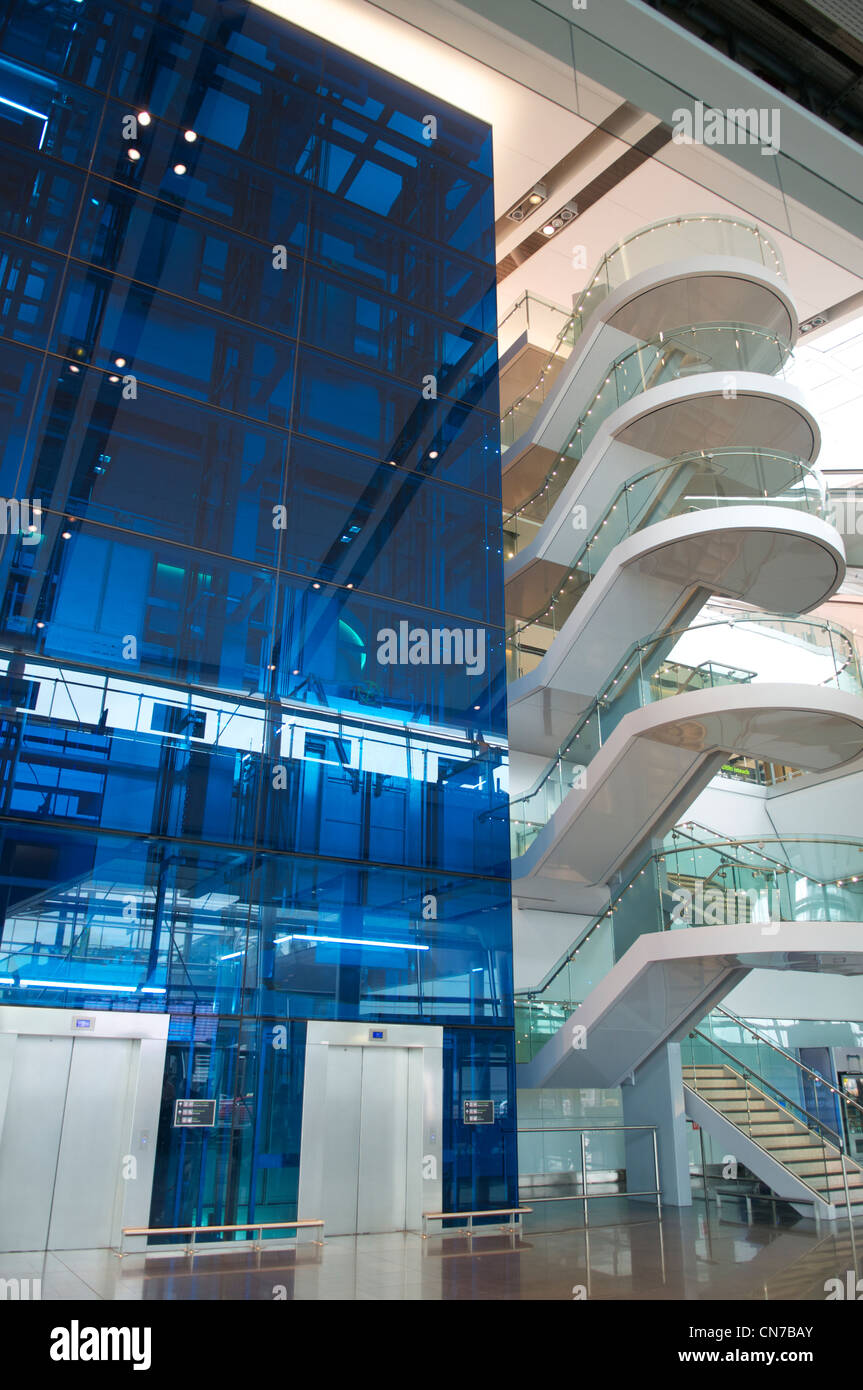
{"x":478,"y":1112}
{"x":194,"y":1114}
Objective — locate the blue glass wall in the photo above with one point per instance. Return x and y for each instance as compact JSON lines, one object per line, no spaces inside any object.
{"x":248,"y":373}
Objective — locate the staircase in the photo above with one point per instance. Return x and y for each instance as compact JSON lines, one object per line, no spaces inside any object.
{"x":804,"y":1152}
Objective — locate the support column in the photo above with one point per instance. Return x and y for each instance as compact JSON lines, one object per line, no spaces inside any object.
{"x":656,"y":1098}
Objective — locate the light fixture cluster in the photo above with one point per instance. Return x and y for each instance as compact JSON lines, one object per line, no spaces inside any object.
{"x":560,"y":219}
{"x":133,"y":154}
{"x":528,"y":204}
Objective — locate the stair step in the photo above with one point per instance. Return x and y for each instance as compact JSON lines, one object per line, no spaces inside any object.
{"x":834,"y":1180}
{"x":717,"y":1084}
{"x":805,"y":1167}
{"x":766,"y":1129}
{"x":792,"y":1158}
{"x":736,"y":1104}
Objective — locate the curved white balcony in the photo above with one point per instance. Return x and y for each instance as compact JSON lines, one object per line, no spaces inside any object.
{"x":691,"y":269}
{"x":773,"y":558}
{"x":656,"y":760}
{"x":705,"y":411}
{"x":666,"y":981}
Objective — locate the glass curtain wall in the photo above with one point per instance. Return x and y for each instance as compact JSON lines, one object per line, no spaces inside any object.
{"x":252,"y":693}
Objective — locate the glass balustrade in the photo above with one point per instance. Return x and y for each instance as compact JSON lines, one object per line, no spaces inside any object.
{"x":696,"y":880}
{"x":810,"y":651}
{"x":686,"y":352}
{"x":544,"y":324}
{"x":673,"y":239}
{"x":694,"y":482}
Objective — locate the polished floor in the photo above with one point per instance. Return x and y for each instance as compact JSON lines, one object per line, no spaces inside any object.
{"x":626,"y":1254}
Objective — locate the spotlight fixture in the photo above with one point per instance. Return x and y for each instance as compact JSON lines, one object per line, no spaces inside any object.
{"x":133,"y":154}
{"x":179,"y":169}
{"x":190,"y":135}
{"x":144,"y":118}
{"x":119,"y":361}
{"x":66,"y":536}
{"x":528,"y":204}
{"x":433,"y":453}
{"x":560,"y":219}
{"x":818,"y":321}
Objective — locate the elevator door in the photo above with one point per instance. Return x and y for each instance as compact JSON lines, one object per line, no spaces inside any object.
{"x":61,"y":1145}
{"x":366,"y":1140}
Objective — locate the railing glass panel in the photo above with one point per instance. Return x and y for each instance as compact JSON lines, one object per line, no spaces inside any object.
{"x":690,"y":351}
{"x":807,"y":651}
{"x":696,"y":879}
{"x":694,"y":482}
{"x":670,"y":240}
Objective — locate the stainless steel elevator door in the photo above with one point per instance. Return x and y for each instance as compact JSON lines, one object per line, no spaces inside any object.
{"x":30,"y":1140}
{"x":89,"y":1164}
{"x":61,"y":1146}
{"x":366,"y":1139}
{"x":382,"y":1165}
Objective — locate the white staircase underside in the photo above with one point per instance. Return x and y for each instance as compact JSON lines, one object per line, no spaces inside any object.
{"x":667,"y":981}
{"x":656,"y":761}
{"x":778,"y":560}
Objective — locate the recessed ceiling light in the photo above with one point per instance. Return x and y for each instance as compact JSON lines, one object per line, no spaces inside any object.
{"x":67,"y":535}
{"x":73,"y":368}
{"x":119,"y":361}
{"x":179,"y":168}
{"x":350,"y":586}
{"x":190,"y":135}
{"x":40,"y":624}
{"x":144,"y":118}
{"x":433,"y":453}
{"x":316,"y":586}
{"x":115,"y":379}
{"x":134,"y":154}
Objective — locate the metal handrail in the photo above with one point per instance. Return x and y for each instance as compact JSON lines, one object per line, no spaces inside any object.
{"x":769,"y":1086}
{"x":586,"y":1197}
{"x":662,"y":344}
{"x":676,"y":464}
{"x":717,"y":844}
{"x":580,"y":306}
{"x":801,"y":1065}
{"x":649,"y":644}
